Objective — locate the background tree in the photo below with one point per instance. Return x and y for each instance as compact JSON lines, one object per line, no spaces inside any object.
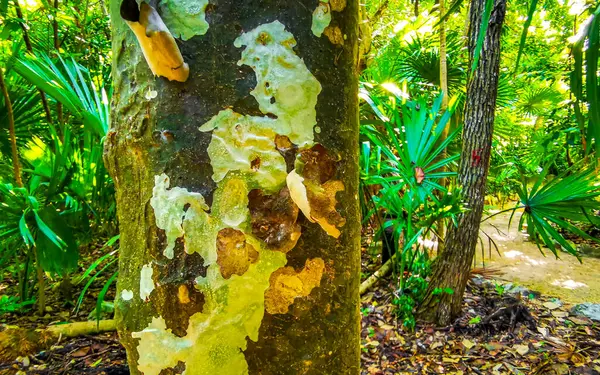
{"x":443,"y":299}
{"x":236,"y":185}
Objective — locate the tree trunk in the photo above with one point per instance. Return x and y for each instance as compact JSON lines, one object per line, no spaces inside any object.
{"x":237,"y":188}
{"x":443,"y":62}
{"x":452,"y":267}
{"x":11,"y":131}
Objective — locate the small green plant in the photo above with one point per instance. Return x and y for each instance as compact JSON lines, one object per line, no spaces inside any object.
{"x":9,"y":304}
{"x":499,"y":288}
{"x":371,"y":331}
{"x":475,"y":320}
{"x":404,"y":163}
{"x":108,"y":262}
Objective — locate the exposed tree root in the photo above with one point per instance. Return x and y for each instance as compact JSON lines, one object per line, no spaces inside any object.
{"x":508,"y":315}
{"x":15,"y":342}
{"x":380,"y":273}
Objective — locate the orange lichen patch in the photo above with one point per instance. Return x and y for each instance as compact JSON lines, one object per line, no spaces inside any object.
{"x":322,"y":204}
{"x":183,"y":294}
{"x":319,"y":166}
{"x":283,"y":143}
{"x":337,"y":5}
{"x":334,"y":34}
{"x":273,"y":219}
{"x":234,"y":254}
{"x":286,"y":285}
{"x":158,"y":46}
{"x":317,"y":202}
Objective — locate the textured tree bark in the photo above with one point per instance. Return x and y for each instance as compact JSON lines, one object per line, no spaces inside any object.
{"x":237,"y":190}
{"x":452,"y":267}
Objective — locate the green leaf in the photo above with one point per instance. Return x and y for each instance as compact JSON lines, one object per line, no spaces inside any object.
{"x":56,"y":257}
{"x":102,"y":295}
{"x":485,"y":21}
{"x":525,"y":31}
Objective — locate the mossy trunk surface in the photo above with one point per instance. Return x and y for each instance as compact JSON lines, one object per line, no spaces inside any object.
{"x":237,"y":188}
{"x":452,"y":267}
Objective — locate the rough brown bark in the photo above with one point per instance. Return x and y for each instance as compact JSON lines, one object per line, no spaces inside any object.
{"x":452,"y":267}
{"x":310,"y":300}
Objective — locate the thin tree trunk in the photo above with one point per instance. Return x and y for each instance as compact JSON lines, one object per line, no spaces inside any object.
{"x":443,"y":62}
{"x":441,"y":227}
{"x":237,"y":255}
{"x":451,"y":270}
{"x":59,"y":106}
{"x":29,"y":48}
{"x":416,"y":8}
{"x":11,"y":131}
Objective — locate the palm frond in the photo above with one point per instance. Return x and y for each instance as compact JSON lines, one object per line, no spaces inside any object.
{"x":70,"y":84}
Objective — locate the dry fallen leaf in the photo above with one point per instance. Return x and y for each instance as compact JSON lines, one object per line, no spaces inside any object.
{"x":468,"y":344}
{"x":521,"y":349}
{"x":551,"y":305}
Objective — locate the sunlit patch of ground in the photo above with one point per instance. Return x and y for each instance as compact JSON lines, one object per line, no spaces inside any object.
{"x":521,"y":261}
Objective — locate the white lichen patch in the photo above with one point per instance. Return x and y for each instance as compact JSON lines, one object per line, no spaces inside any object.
{"x":321,"y":18}
{"x":185,"y":18}
{"x":146,"y":282}
{"x":169,"y":206}
{"x":246,"y":144}
{"x":285,"y":87}
{"x":126,"y":295}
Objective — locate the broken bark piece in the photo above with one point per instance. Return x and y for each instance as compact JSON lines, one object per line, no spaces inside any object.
{"x":158,"y":45}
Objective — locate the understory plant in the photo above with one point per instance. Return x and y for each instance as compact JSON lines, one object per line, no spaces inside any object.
{"x":404,"y":164}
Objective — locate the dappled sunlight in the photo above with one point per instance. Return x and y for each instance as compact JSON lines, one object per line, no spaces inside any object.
{"x":520,"y":260}
{"x":512,"y":254}
{"x":569,"y":284}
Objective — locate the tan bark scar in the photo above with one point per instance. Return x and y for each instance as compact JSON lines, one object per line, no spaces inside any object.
{"x":286,"y":285}
{"x":158,"y":46}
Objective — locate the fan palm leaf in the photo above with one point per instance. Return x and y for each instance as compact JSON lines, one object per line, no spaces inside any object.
{"x":70,"y":84}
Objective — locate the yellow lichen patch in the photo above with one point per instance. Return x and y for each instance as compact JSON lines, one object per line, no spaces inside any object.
{"x":337,"y":5}
{"x":234,"y":254}
{"x":183,"y":294}
{"x":286,"y":285}
{"x":334,"y":33}
{"x":238,"y":140}
{"x":215,"y":337}
{"x":158,"y":46}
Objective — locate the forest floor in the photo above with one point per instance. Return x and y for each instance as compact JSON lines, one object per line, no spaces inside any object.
{"x":554,"y":341}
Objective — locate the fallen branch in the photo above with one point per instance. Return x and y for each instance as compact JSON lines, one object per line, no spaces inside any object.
{"x":15,"y":342}
{"x":380,"y":273}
